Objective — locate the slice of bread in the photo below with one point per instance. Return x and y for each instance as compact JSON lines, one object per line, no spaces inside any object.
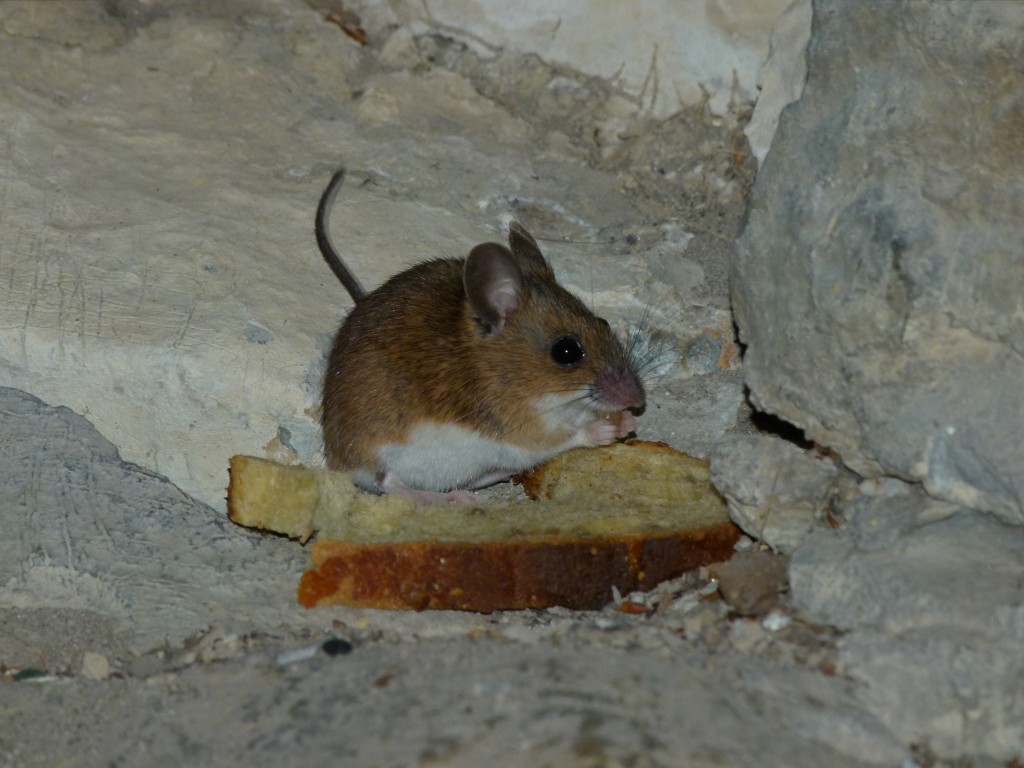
{"x":625,"y":516}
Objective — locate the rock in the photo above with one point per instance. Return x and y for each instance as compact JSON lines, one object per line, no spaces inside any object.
{"x":751,"y":582}
{"x":964,"y":569}
{"x":98,"y":542}
{"x":877,"y":286}
{"x":777,"y":492}
{"x":782,"y":76}
{"x":934,"y":622}
{"x":55,"y":640}
{"x":95,"y":666}
{"x":660,"y":56}
{"x":959,"y":695}
{"x":878,"y":283}
{"x":158,"y":268}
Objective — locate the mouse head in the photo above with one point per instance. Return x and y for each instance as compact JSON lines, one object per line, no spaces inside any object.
{"x":540,"y":340}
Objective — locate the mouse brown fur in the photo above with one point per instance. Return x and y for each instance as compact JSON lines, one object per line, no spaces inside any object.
{"x":457,"y":373}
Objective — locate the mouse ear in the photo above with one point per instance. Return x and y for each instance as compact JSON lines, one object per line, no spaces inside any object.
{"x":493,"y":283}
{"x":527,"y":252}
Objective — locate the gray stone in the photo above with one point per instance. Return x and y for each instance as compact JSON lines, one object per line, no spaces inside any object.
{"x":782,"y":76}
{"x":162,"y":162}
{"x":161,"y":630}
{"x":878,"y":285}
{"x":935,"y":622}
{"x":99,"y":542}
{"x":455,"y":703}
{"x":964,"y":570}
{"x":776,"y":491}
{"x":959,"y":692}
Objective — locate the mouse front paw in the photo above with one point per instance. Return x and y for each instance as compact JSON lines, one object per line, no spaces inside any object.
{"x":627,"y":424}
{"x":607,"y":429}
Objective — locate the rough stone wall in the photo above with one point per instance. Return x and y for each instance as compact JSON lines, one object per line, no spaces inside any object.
{"x":879,"y":284}
{"x":160,"y":163}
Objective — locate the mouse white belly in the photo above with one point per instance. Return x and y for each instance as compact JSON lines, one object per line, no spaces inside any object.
{"x":442,"y":457}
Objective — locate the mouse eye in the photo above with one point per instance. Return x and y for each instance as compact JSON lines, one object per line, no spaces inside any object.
{"x":567,"y":351}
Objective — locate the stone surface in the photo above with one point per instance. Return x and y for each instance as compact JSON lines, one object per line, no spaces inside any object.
{"x":782,"y":77}
{"x":752,"y":582}
{"x":934,"y":620}
{"x":157,"y":273}
{"x":777,"y":492}
{"x":659,"y":56}
{"x":878,"y":284}
{"x":878,"y":289}
{"x":463,"y":704}
{"x":151,"y":631}
{"x":162,"y":161}
{"x":116,"y":551}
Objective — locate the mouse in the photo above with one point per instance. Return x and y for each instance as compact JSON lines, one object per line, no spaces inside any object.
{"x":458,"y":373}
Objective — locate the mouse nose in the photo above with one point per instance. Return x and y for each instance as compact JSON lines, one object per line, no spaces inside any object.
{"x":620,"y":389}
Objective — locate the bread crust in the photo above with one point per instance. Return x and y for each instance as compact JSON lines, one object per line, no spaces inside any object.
{"x":573,"y":572}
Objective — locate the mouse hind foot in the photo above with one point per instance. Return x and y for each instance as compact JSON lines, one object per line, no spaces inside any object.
{"x":391,"y":484}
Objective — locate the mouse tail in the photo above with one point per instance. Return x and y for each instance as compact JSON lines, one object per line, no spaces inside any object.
{"x":323,"y":240}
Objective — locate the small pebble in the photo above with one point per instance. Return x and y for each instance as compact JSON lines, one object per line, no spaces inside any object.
{"x":776,"y":620}
{"x":752,"y":582}
{"x":295,"y":655}
{"x":95,"y":666}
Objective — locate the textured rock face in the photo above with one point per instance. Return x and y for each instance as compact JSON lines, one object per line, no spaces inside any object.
{"x":162,"y":161}
{"x":934,"y":621}
{"x":89,"y":535}
{"x":659,"y":55}
{"x":777,"y":492}
{"x":879,"y":284}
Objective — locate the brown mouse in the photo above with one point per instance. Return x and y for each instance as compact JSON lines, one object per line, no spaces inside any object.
{"x":458,"y":373}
